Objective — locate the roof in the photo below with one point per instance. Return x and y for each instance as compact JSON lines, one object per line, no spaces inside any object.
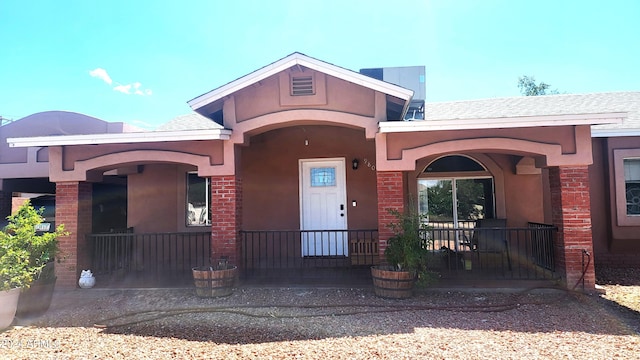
{"x":605,"y":111}
{"x":308,"y":62}
{"x":193,"y":121}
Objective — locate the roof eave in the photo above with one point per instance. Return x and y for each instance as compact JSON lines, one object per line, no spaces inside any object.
{"x":121,"y":138}
{"x":504,"y":122}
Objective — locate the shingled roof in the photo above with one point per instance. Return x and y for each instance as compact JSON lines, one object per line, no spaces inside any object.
{"x":193,"y":121}
{"x":566,"y":104}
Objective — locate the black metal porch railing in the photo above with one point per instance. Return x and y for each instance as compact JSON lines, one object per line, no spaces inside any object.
{"x":308,"y":256}
{"x":511,"y":253}
{"x":157,"y":257}
{"x":294,"y":249}
{"x":462,"y":252}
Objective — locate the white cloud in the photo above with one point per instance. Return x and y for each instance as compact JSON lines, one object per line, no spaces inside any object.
{"x":101,"y":73}
{"x":125,"y":89}
{"x":136,"y":88}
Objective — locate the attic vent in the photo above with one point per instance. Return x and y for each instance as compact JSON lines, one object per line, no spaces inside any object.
{"x":302,"y":85}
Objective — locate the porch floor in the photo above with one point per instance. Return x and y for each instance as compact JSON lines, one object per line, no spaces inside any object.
{"x":354,"y":277}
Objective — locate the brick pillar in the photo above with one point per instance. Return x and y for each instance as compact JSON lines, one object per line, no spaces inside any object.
{"x":226,"y":218}
{"x":571,"y":213}
{"x":73,"y":210}
{"x":390,"y":189}
{"x":5,"y":204}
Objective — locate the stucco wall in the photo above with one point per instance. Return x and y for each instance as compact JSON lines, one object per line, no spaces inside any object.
{"x":339,"y":95}
{"x":564,"y":136}
{"x":523,"y":193}
{"x":153,"y":199}
{"x":213,"y":149}
{"x":270,"y":175}
{"x":599,"y":181}
{"x":614,"y":244}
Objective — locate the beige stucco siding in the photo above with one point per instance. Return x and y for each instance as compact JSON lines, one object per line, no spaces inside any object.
{"x":269,"y":96}
{"x":270,"y":175}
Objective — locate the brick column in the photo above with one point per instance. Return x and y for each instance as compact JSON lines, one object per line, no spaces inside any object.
{"x":73,"y":209}
{"x":226,"y":218}
{"x":390,"y":189}
{"x":5,"y":204}
{"x":571,"y":213}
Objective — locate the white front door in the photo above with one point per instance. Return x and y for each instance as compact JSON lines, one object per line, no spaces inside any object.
{"x":323,"y":207}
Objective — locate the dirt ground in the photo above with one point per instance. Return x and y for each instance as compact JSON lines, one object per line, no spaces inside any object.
{"x":336,"y":323}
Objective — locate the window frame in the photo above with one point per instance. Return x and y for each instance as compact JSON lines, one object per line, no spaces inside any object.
{"x":207,"y":201}
{"x":459,"y":174}
{"x":619,"y":155}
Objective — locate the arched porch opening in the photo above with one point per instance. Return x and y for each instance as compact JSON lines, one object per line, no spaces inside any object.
{"x":128,"y":215}
{"x":456,"y":189}
{"x":305,"y":204}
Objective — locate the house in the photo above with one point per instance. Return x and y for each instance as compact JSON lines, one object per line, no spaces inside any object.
{"x":25,"y":171}
{"x":297,"y":163}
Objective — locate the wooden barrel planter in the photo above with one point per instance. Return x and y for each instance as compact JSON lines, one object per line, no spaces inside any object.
{"x":392,"y":284}
{"x":211,"y":282}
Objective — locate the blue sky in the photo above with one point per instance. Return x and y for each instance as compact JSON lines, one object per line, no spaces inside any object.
{"x":160,"y":54}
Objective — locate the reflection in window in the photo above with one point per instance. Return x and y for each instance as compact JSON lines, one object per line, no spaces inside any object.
{"x":455,"y":199}
{"x":632,"y":185}
{"x":198,"y":200}
{"x":325,"y":176}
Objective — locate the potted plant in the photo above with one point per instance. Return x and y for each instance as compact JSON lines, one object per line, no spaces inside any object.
{"x":25,"y":257}
{"x":406,"y":257}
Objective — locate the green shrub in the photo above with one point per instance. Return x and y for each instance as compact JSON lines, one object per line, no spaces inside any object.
{"x":23,"y":252}
{"x":407,"y":248}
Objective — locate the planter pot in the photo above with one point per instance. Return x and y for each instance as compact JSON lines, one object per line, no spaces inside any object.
{"x":36,"y":299}
{"x":8,"y":306}
{"x":214,"y":283}
{"x":392,"y":284}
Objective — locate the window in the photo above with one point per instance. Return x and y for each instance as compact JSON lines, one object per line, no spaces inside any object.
{"x":324,"y":176}
{"x":456,"y":189}
{"x":198,"y":200}
{"x":632,"y":186}
{"x":626,"y":177}
{"x":473,"y":199}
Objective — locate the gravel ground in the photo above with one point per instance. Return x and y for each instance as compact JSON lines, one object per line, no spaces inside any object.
{"x":300,"y":323}
{"x":622,"y":293}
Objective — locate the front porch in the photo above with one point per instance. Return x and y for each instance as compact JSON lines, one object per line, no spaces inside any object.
{"x":460,"y":254}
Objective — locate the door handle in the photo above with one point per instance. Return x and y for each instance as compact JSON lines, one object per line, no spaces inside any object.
{"x":341,"y":207}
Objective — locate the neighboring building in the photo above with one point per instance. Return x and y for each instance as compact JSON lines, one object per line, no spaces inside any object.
{"x":313,"y":156}
{"x":24,"y":172}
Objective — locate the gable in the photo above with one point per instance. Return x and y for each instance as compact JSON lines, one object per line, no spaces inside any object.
{"x":211,"y":103}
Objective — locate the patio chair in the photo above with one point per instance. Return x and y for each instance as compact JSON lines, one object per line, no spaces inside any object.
{"x":490,"y":236}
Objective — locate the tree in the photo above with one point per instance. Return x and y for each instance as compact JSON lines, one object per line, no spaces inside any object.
{"x":528,"y":87}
